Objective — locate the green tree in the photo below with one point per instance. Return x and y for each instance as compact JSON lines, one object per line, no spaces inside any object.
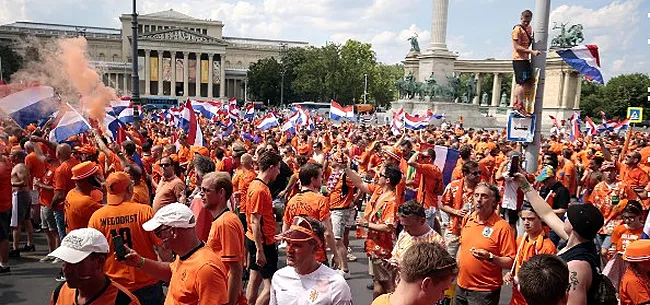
{"x":357,"y":60}
{"x":264,"y":80}
{"x":381,"y":83}
{"x":10,"y":62}
{"x":620,"y":92}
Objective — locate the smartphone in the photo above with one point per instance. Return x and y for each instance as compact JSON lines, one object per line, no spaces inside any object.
{"x":514,"y":166}
{"x":120,"y":250}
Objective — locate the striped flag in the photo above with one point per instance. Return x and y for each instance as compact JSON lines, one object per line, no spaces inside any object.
{"x":591,"y":127}
{"x":446,"y":159}
{"x":29,"y":105}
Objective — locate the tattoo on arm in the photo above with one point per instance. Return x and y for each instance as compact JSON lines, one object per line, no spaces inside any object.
{"x":573,"y":279}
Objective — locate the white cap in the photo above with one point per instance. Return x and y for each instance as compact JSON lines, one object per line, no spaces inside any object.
{"x":175,"y":215}
{"x":80,"y":243}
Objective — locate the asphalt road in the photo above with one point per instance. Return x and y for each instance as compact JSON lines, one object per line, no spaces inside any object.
{"x":31,"y":282}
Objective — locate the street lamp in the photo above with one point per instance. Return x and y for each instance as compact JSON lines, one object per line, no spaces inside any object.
{"x":365,"y":88}
{"x":283,"y":53}
{"x":135,"y":78}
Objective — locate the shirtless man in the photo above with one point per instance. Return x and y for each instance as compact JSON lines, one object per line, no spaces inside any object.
{"x":22,"y":198}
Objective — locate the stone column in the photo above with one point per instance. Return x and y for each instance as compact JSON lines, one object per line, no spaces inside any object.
{"x":576,"y":101}
{"x":496,"y":90}
{"x":245,"y":89}
{"x":117,"y":82}
{"x":566,"y":84}
{"x":477,"y":98}
{"x":147,"y":72}
{"x":186,"y":73}
{"x":439,"y":25}
{"x":222,"y":84}
{"x":172,"y":84}
{"x":210,"y":72}
{"x":198,"y":75}
{"x":125,"y":83}
{"x":512,"y":89}
{"x":160,"y":72}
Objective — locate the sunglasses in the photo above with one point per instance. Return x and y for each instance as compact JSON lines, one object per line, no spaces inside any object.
{"x":158,"y":233}
{"x":165,"y":164}
{"x":205,"y":190}
{"x":476,"y":173}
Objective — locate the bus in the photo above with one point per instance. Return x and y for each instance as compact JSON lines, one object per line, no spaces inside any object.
{"x":158,"y":102}
{"x":322,"y":108}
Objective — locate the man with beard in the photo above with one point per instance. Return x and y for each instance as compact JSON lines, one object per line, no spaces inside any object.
{"x":84,"y":253}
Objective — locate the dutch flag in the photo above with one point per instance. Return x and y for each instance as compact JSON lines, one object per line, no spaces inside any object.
{"x":338,"y":112}
{"x":208,"y":109}
{"x":70,"y":123}
{"x":30,"y":105}
{"x":591,"y":127}
{"x":586,"y":60}
{"x":622,"y":125}
{"x":415,"y":123}
{"x":189,"y":123}
{"x":267,"y":122}
{"x":446,"y":159}
{"x":121,"y":105}
{"x":250,"y":112}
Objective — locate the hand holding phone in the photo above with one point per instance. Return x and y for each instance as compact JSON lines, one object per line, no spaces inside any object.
{"x":120,"y":250}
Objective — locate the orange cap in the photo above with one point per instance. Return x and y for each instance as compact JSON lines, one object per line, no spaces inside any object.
{"x":390,"y":152}
{"x":637,"y":251}
{"x":84,"y":170}
{"x":117,"y":184}
{"x":201,"y":150}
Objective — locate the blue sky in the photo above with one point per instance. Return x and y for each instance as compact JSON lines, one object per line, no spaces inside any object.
{"x":477,"y":28}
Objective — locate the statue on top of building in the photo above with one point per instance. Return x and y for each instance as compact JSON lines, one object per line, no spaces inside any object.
{"x":415,"y":46}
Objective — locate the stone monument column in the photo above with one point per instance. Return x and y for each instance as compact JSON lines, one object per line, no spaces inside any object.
{"x":147,"y":72}
{"x":222,"y":78}
{"x":477,"y":98}
{"x":439,"y":25}
{"x":186,"y":73}
{"x":512,"y":89}
{"x":198,"y":75}
{"x":160,"y":72}
{"x":210,"y":74}
{"x":172,"y":84}
{"x":496,"y":89}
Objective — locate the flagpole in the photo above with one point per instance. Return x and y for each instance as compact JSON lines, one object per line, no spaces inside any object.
{"x":542,"y":16}
{"x":626,"y":145}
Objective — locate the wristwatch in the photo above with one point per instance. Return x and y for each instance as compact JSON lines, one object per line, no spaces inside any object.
{"x":491,"y":257}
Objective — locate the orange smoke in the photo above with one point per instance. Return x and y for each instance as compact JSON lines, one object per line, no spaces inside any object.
{"x":64,"y":65}
{"x":94,"y":95}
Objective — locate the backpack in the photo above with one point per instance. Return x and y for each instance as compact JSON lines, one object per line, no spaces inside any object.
{"x":602,"y":291}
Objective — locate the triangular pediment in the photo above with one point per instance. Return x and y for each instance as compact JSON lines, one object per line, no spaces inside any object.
{"x":181,"y":35}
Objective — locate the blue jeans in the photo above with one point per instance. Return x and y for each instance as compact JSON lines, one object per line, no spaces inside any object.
{"x":59,"y":217}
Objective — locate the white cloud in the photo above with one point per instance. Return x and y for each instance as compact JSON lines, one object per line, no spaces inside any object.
{"x":12,"y":10}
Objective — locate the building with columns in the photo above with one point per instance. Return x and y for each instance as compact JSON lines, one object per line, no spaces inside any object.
{"x":179,"y":56}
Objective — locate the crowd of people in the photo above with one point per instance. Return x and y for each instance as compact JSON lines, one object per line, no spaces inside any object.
{"x":209,"y":222}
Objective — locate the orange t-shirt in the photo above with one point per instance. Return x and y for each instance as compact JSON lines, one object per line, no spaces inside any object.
{"x":567,"y":175}
{"x":529,"y":248}
{"x":259,"y":201}
{"x":310,"y":204}
{"x":125,"y":220}
{"x":168,"y":192}
{"x":336,"y":199}
{"x":381,"y":209}
{"x":141,"y":193}
{"x":633,"y":289}
{"x":522,"y":39}
{"x":635,"y":177}
{"x":36,"y":167}
{"x":457,"y":197}
{"x":198,"y":277}
{"x":44,"y":195}
{"x":78,"y":209}
{"x":623,"y":236}
{"x":109,"y":295}
{"x":495,"y":236}
{"x":240,"y":181}
{"x":5,"y":186}
{"x":431,"y":185}
{"x":63,"y":176}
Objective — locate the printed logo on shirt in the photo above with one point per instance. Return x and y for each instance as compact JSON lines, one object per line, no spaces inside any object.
{"x":487,"y":231}
{"x":313,"y":295}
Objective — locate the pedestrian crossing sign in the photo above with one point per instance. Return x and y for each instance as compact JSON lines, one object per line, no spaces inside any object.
{"x":635,"y":114}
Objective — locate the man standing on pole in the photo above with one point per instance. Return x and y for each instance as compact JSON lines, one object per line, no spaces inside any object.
{"x":522,"y":40}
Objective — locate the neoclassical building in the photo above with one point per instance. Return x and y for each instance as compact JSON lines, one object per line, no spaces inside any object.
{"x":179,"y":56}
